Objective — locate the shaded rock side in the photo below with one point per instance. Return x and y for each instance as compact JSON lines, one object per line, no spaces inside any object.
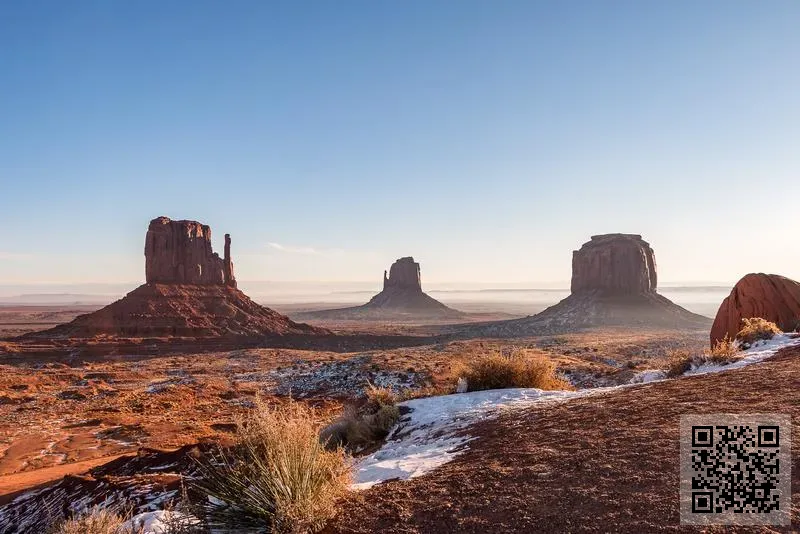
{"x":615,"y":264}
{"x":769,"y":296}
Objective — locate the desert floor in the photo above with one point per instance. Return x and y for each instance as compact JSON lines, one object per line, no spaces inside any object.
{"x":61,"y":415}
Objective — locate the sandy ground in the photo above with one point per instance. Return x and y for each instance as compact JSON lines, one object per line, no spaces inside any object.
{"x":17,"y":320}
{"x":597,"y":464}
{"x":68,"y":411}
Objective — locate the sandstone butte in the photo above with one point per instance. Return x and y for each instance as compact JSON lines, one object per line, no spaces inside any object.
{"x":769,"y":296}
{"x":614,"y":283}
{"x":401,"y":297}
{"x":189,"y":292}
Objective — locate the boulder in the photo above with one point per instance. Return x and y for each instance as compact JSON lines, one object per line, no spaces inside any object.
{"x":769,"y":296}
{"x":614,"y":264}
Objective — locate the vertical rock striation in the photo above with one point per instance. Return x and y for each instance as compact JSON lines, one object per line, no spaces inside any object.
{"x":614,"y":264}
{"x":179,"y":252}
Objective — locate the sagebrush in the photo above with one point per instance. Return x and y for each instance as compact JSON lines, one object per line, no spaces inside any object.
{"x":757,"y":329}
{"x":278,"y":477}
{"x":366,"y":425}
{"x":520,"y":369}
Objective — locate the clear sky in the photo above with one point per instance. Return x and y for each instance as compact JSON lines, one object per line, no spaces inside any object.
{"x":488,"y":139}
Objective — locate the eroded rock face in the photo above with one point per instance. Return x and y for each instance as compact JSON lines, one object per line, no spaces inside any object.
{"x":614,"y":264}
{"x":403,"y":274}
{"x":769,"y":296}
{"x":179,"y":252}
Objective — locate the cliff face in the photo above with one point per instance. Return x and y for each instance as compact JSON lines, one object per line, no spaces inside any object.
{"x":179,"y":252}
{"x":614,"y":264}
{"x":403,"y":274}
{"x":769,"y":296}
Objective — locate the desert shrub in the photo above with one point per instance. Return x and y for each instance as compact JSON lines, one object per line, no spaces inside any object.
{"x":361,"y":427}
{"x":756,"y":329}
{"x":277,"y":478}
{"x":518,"y":370}
{"x":95,"y":521}
{"x":679,"y":361}
{"x":724,"y":352}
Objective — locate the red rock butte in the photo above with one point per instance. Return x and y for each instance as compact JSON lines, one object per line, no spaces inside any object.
{"x":614,"y":283}
{"x":190,"y":292}
{"x":401,"y":297}
{"x":769,"y":296}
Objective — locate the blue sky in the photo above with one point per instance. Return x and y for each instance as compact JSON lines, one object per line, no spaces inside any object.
{"x":487,"y":139}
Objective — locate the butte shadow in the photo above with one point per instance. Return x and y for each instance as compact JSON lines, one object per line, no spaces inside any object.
{"x":614,"y":283}
{"x":402,"y":298}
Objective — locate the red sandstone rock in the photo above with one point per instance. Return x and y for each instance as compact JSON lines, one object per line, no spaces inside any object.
{"x":403,"y":274}
{"x":614,"y":264}
{"x":190,"y":293}
{"x":769,"y":296}
{"x":179,"y":252}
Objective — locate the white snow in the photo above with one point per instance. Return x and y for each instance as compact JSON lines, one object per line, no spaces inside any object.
{"x":157,"y":522}
{"x":759,"y":351}
{"x":434,"y":432}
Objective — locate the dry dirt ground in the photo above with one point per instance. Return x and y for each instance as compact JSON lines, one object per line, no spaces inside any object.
{"x":71,"y":410}
{"x":18,"y":320}
{"x":596,"y":464}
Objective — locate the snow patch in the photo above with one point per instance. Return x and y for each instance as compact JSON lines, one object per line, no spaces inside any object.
{"x":433,"y":431}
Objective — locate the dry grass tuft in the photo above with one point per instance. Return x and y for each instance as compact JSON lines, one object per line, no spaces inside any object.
{"x":756,"y":329}
{"x":278,"y":478}
{"x":359,"y":428}
{"x":96,"y":521}
{"x":518,"y":370}
{"x":724,"y":352}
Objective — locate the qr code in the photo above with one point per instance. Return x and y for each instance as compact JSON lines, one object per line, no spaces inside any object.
{"x":735,"y":469}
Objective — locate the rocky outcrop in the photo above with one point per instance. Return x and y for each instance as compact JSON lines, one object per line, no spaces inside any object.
{"x":401,"y":298}
{"x":404,"y":274}
{"x":769,"y":296}
{"x":190,"y":293}
{"x":614,"y":264}
{"x":613,"y":284}
{"x":179,"y":252}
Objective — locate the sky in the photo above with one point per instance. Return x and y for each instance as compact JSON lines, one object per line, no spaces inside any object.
{"x":486,"y":139}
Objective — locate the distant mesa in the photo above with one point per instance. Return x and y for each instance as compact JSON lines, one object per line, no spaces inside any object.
{"x":401,"y":297}
{"x":614,"y":283}
{"x":189,"y":292}
{"x":769,"y":296}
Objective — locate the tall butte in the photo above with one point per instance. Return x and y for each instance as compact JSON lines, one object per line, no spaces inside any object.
{"x":614,"y":283}
{"x":190,"y":292}
{"x":401,"y":297}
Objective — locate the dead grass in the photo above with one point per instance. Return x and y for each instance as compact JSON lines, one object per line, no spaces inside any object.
{"x":278,"y":478}
{"x":756,"y":329}
{"x":96,"y":521}
{"x":361,"y":427}
{"x":679,"y":361}
{"x":521,"y":369}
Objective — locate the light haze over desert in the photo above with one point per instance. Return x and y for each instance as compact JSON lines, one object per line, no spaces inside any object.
{"x":412,"y":267}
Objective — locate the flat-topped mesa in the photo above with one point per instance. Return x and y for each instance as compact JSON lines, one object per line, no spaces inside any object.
{"x":179,"y":252}
{"x":403,"y":274}
{"x":614,"y":264}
